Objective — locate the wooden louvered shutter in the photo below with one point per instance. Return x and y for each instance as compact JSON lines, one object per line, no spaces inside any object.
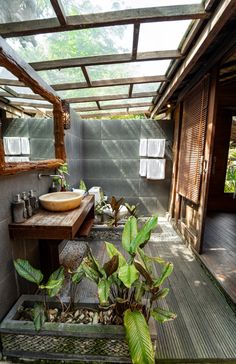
{"x":192,"y":141}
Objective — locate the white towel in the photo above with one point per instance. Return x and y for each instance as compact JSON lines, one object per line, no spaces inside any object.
{"x":143,"y":148}
{"x":12,"y":145}
{"x":156,"y":148}
{"x":24,"y":159}
{"x":156,"y":168}
{"x":143,"y":167}
{"x":13,"y":159}
{"x":25,"y":145}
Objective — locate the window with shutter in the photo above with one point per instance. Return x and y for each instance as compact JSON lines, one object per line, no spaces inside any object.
{"x":193,"y":133}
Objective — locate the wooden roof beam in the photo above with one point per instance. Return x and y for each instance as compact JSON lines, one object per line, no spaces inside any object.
{"x":114,"y":106}
{"x":135,"y":41}
{"x":25,"y":73}
{"x":34,"y":104}
{"x":129,"y":16}
{"x":219,"y":18}
{"x":106,"y":59}
{"x":110,"y":82}
{"x":110,"y":97}
{"x":59,"y":10}
{"x":98,"y":115}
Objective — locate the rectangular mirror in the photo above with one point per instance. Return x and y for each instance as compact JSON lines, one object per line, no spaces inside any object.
{"x":32,"y":118}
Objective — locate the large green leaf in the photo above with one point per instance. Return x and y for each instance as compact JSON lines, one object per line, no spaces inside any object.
{"x":78,"y":275}
{"x":25,"y":270}
{"x":143,"y":233}
{"x":138,"y":337}
{"x":162,"y":315}
{"x":111,"y":251}
{"x":161,"y":294}
{"x":139,"y":290}
{"x":90,"y":273}
{"x":111,"y":266}
{"x":38,"y":316}
{"x":143,"y":272}
{"x":128,"y":274}
{"x":168,"y":268}
{"x":55,"y":282}
{"x":104,"y":290}
{"x":129,"y":233}
{"x":94,"y":263}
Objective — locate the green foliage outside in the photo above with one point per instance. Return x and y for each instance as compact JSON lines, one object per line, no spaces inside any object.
{"x":230,"y":179}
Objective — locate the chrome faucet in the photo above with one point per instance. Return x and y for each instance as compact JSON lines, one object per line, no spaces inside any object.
{"x":41,"y":175}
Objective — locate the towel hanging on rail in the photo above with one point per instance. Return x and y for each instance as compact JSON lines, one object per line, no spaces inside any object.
{"x":156,"y":168}
{"x":143,"y":167}
{"x":156,"y":148}
{"x":143,"y":148}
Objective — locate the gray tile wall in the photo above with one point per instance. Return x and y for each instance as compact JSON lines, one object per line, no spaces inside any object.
{"x":28,"y":249}
{"x":110,"y":152}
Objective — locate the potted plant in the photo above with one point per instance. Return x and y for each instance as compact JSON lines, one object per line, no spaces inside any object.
{"x":121,"y":318}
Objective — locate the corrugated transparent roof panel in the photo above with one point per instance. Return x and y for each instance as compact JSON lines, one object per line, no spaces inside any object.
{"x":16,"y":11}
{"x":76,"y":43}
{"x":166,"y":35}
{"x":83,"y":104}
{"x":134,"y":69}
{"x":4,"y":73}
{"x":146,"y":87}
{"x":126,"y":101}
{"x":77,"y":7}
{"x":101,"y":111}
{"x":22,"y":90}
{"x":16,"y":99}
{"x":94,"y":91}
{"x":134,"y":109}
{"x":65,"y":75}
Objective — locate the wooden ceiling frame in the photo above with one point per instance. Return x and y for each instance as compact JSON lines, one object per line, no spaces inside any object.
{"x":26,"y":74}
{"x":219,"y":18}
{"x":121,"y":17}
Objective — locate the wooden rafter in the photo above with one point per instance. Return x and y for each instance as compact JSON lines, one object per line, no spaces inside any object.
{"x":106,"y":59}
{"x":114,"y":106}
{"x":86,"y":76}
{"x":135,"y":41}
{"x":33,"y":104}
{"x":221,"y":15}
{"x":109,"y":82}
{"x":99,"y":115}
{"x":110,"y":97}
{"x":59,"y":10}
{"x":130,"y":16}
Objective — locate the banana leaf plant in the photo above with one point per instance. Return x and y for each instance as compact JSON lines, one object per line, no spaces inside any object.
{"x":130,"y":287}
{"x":51,"y":288}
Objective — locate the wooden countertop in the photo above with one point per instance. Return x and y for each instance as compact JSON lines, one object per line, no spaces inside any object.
{"x":53,"y":225}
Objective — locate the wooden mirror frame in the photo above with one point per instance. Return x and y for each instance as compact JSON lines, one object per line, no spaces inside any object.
{"x":26,"y":74}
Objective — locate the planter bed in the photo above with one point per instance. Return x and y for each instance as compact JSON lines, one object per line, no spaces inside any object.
{"x":63,"y":341}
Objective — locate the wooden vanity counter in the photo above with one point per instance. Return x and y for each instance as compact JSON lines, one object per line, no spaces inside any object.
{"x":50,"y":228}
{"x":55,"y":225}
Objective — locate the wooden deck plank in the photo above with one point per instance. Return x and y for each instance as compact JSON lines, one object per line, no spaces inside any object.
{"x":219,"y":250}
{"x":205,"y":327}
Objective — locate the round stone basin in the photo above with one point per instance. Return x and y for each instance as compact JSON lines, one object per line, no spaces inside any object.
{"x":61,"y":201}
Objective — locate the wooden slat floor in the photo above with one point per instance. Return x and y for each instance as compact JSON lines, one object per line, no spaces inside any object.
{"x":205,"y":328}
{"x":219,"y":250}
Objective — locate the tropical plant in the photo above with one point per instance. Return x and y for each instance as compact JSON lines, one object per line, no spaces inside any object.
{"x":132,"y":209}
{"x":82,"y":185}
{"x":62,"y":172}
{"x":115,"y":206}
{"x":51,"y":288}
{"x":129,"y":287}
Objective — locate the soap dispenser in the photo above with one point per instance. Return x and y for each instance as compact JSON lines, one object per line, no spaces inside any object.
{"x":27,"y":204}
{"x":33,"y":201}
{"x":18,"y":209}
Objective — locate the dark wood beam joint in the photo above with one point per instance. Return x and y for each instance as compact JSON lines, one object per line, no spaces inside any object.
{"x":59,"y":10}
{"x":135,"y":41}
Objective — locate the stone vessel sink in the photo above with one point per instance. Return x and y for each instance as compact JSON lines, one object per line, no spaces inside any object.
{"x":61,"y":201}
